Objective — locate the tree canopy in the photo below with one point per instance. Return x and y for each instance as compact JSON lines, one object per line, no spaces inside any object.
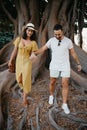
{"x":17,"y":13}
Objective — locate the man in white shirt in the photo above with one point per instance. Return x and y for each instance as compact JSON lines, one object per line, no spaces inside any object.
{"x":60,"y":65}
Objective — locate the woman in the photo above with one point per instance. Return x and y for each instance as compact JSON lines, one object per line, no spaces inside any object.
{"x":24,"y":46}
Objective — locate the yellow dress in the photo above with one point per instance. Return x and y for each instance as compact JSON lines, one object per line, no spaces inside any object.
{"x":23,"y":63}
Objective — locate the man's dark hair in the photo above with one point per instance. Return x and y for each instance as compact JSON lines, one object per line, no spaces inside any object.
{"x":57,"y":27}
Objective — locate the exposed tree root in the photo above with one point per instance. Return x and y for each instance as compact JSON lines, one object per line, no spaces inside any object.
{"x":23,"y":120}
{"x":80,"y":81}
{"x":51,"y":119}
{"x":9,"y":120}
{"x":82,"y":127}
{"x":37,"y":122}
{"x":73,"y":118}
{"x":9,"y":82}
{"x":4,"y":66}
{"x":37,"y":118}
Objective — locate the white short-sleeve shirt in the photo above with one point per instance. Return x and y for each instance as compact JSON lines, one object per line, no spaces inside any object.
{"x":59,"y":54}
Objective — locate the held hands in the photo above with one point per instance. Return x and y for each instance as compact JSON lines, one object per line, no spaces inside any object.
{"x":79,"y":67}
{"x":33,"y":57}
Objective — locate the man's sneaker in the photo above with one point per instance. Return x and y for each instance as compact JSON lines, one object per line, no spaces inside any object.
{"x":51,"y":99}
{"x":65,"y":108}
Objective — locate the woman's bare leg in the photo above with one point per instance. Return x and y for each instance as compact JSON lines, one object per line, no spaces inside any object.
{"x":25,"y":101}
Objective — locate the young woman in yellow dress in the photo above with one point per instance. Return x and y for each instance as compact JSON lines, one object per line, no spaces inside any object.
{"x":24,"y":46}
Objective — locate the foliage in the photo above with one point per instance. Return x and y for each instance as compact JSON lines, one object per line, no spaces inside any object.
{"x":81,"y":14}
{"x":7,"y":25}
{"x":5,"y":37}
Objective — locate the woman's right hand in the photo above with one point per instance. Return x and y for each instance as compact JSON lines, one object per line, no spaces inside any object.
{"x":10,"y":65}
{"x":33,"y":57}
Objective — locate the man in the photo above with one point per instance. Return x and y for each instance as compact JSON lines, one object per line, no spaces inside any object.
{"x":60,"y":65}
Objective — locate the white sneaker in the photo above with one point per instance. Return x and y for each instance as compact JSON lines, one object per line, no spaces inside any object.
{"x":51,"y":99}
{"x":65,"y":108}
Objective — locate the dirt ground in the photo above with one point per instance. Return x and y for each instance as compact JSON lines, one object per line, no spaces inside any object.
{"x":39,"y":115}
